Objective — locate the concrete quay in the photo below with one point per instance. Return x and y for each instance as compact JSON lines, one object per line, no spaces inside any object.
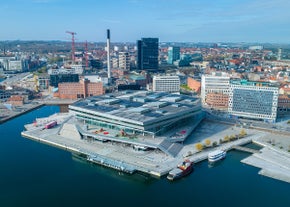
{"x":273,"y":161}
{"x":122,"y":156}
{"x":6,"y":114}
{"x":201,"y":156}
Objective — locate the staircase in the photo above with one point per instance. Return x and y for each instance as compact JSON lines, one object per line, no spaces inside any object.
{"x":170,"y":148}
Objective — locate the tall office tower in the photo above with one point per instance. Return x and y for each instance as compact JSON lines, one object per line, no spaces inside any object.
{"x":124,"y":60}
{"x":215,"y":90}
{"x":108,"y":54}
{"x":147,"y":58}
{"x":173,"y":54}
{"x":166,"y":83}
{"x":253,"y":100}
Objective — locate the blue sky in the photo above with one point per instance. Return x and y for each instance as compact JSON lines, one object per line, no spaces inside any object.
{"x":129,"y":20}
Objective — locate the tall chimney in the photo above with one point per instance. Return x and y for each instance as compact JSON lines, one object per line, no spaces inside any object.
{"x":108,"y":54}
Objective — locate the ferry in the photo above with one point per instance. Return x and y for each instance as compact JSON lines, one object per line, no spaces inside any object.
{"x":216,"y":155}
{"x":181,"y":170}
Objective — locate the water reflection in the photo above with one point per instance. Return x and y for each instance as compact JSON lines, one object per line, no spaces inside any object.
{"x":138,"y":177}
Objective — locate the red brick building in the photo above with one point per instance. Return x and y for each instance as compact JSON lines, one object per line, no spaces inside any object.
{"x":16,"y":100}
{"x":119,"y":72}
{"x":283,"y":103}
{"x":82,"y":89}
{"x":193,"y":84}
{"x":217,"y":100}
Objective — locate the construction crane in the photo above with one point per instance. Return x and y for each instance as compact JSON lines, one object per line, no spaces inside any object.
{"x":72,"y":45}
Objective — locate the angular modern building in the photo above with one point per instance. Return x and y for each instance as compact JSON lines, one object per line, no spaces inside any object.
{"x":253,"y":100}
{"x":166,"y":84}
{"x":173,"y":54}
{"x":147,"y":56}
{"x":139,"y":112}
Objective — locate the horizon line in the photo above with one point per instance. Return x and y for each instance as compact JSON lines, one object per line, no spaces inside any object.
{"x":203,"y":42}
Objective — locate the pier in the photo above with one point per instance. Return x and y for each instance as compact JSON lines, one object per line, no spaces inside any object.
{"x":245,"y":149}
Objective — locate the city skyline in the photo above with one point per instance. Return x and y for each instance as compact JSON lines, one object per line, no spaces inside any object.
{"x":129,"y":20}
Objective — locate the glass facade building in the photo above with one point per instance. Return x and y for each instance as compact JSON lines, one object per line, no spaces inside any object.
{"x":256,"y":100}
{"x":173,"y":54}
{"x":55,"y":79}
{"x":147,"y":57}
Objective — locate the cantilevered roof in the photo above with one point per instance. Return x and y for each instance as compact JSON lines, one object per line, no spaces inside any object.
{"x":140,"y":106}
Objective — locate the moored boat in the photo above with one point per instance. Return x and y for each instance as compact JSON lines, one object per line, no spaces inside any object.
{"x":181,"y":170}
{"x":216,"y":155}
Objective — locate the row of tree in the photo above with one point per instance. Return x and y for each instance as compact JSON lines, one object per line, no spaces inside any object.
{"x":208,"y":143}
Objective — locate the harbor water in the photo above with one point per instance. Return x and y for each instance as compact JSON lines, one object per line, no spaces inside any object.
{"x":35,"y":174}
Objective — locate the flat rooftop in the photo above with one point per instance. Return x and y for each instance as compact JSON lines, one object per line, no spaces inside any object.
{"x":140,"y":106}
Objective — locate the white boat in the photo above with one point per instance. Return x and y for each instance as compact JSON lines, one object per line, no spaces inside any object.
{"x":138,"y":147}
{"x":216,"y":155}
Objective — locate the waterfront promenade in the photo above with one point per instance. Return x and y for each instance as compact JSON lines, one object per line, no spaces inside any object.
{"x":153,"y":161}
{"x":274,"y":158}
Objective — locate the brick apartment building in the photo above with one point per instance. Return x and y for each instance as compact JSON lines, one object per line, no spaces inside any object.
{"x":217,"y":100}
{"x":82,"y":89}
{"x":283,"y":103}
{"x":16,"y":100}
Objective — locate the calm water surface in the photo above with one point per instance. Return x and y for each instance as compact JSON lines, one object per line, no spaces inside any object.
{"x":34,"y":174}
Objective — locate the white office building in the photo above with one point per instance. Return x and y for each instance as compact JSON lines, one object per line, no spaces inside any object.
{"x":253,"y":100}
{"x":166,"y":84}
{"x":124,"y":60}
{"x":217,"y":82}
{"x":15,"y":65}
